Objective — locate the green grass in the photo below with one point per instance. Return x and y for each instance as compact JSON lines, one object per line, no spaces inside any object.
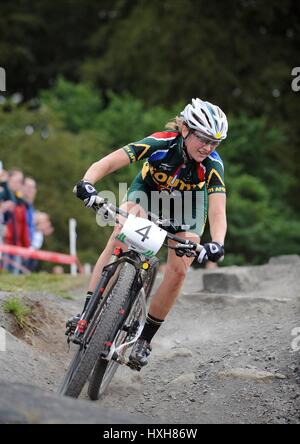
{"x":59,"y":285}
{"x":20,"y":312}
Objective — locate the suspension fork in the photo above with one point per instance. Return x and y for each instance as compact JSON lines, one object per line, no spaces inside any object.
{"x":116,"y":353}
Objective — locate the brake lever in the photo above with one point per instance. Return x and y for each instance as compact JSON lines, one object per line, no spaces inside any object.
{"x":99,"y":202}
{"x":181,"y":252}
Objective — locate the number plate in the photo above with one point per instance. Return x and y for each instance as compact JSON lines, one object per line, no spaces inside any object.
{"x":142,"y":235}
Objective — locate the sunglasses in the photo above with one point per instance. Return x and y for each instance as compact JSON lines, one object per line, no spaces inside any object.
{"x":206,"y":141}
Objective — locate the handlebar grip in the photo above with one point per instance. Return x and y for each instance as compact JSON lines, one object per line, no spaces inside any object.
{"x":202,"y":256}
{"x":199,"y":248}
{"x":99,"y":200}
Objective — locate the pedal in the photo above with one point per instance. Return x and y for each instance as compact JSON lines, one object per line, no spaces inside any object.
{"x":71,"y":325}
{"x":134,"y":366}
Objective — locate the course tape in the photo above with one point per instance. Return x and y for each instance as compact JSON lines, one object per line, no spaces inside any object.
{"x":47,"y":256}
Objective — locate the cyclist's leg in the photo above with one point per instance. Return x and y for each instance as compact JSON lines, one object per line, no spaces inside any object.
{"x":177,"y":267}
{"x":130,"y":207}
{"x":163,"y":300}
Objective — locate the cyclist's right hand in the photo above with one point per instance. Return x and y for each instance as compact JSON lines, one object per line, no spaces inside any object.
{"x":212,"y":251}
{"x":85,"y":191}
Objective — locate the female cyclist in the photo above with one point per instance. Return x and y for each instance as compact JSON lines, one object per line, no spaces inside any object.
{"x":183,"y":159}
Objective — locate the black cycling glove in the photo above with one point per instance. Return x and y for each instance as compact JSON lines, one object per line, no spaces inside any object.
{"x":212,"y":251}
{"x":85,"y":191}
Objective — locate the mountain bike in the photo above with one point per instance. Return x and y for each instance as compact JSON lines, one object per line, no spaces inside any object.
{"x":116,"y":313}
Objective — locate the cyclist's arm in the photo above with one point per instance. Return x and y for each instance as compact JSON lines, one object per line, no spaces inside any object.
{"x":107,"y":165}
{"x":130,"y":153}
{"x":217,"y":216}
{"x":216,"y":190}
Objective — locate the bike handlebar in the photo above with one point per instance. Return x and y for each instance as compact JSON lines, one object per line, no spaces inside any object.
{"x":187,"y":247}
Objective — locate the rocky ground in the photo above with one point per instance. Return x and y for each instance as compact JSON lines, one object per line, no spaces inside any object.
{"x":227,"y":353}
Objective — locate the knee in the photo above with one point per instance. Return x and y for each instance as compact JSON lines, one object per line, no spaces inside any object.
{"x":117,"y":230}
{"x":175,"y":275}
{"x":113,"y":241}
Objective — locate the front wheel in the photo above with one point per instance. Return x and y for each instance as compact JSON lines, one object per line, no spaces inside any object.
{"x":104,"y":371}
{"x":112,"y":316}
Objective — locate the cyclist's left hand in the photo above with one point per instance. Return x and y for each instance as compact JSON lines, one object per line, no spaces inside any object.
{"x":212,"y":251}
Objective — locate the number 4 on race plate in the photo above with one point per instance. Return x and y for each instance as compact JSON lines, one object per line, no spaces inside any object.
{"x":142,"y":235}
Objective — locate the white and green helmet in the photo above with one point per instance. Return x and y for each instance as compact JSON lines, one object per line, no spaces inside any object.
{"x":208,"y":120}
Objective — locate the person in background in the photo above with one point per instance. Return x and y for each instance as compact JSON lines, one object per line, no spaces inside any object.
{"x":43,"y":227}
{"x":16,"y":230}
{"x":43,"y":224}
{"x":29,"y":194}
{"x":6,"y":209}
{"x":7,"y":203}
{"x":38,"y":222}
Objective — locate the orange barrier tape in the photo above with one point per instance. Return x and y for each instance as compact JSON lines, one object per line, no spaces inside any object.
{"x":47,"y":256}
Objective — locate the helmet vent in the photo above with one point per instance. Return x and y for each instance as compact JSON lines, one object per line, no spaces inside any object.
{"x":206,"y":116}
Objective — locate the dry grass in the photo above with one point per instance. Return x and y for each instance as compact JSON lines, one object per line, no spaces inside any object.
{"x":60,"y":285}
{"x":15,"y":307}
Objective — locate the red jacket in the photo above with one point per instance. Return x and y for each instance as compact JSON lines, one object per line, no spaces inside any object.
{"x":17,"y":230}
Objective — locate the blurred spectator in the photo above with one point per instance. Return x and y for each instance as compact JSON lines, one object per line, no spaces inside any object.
{"x":42,"y":228}
{"x":20,"y":223}
{"x":15,"y":181}
{"x":6,"y":202}
{"x":29,"y":194}
{"x":4,"y":190}
{"x":43,"y":224}
{"x":6,"y":209}
{"x":38,"y":222}
{"x":16,"y":230}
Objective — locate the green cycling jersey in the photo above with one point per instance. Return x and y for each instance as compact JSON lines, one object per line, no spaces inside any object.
{"x":168,"y":168}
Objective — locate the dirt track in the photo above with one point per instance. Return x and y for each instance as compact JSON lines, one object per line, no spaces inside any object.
{"x":219,"y":357}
